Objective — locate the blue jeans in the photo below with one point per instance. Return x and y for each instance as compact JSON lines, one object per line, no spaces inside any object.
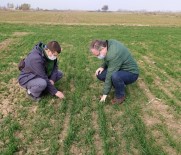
{"x":119,"y":80}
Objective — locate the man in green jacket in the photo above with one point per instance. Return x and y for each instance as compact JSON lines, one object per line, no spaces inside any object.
{"x":118,"y":70}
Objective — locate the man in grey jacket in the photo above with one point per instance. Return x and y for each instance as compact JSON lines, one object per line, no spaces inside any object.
{"x":40,"y":71}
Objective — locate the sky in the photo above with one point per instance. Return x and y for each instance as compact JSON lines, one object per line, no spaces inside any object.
{"x":114,"y":5}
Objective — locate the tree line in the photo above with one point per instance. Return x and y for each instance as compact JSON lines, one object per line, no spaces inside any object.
{"x":26,"y":6}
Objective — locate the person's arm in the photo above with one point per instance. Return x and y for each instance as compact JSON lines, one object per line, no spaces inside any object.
{"x":113,"y":67}
{"x":108,"y":82}
{"x":104,"y":65}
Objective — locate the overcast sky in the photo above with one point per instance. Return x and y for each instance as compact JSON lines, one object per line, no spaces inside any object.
{"x":114,"y":5}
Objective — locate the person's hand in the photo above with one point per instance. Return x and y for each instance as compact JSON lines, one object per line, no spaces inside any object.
{"x":103,"y":98}
{"x":60,"y":95}
{"x":99,"y":71}
{"x":52,"y":82}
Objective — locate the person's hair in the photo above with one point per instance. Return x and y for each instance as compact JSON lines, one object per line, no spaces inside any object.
{"x":54,"y":46}
{"x":98,"y":44}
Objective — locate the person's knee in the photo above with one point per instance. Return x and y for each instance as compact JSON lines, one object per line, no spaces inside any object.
{"x":43,"y":84}
{"x":60,"y":74}
{"x":115,"y":77}
{"x":101,"y":78}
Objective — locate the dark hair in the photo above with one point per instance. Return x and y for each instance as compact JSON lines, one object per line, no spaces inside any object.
{"x":54,"y":46}
{"x":97,"y":44}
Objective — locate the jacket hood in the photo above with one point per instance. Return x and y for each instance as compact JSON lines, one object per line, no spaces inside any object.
{"x":39,"y":48}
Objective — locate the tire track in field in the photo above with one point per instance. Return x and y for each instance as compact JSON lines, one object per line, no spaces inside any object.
{"x":151,"y":62}
{"x":160,"y":110}
{"x":9,"y":97}
{"x":9,"y":105}
{"x":163,"y":86}
{"x":8,"y":101}
{"x":117,"y":128}
{"x":62,"y":136}
{"x":64,"y":133}
{"x":65,"y":125}
{"x":4,"y":44}
{"x":97,"y":139}
{"x":152,"y":99}
{"x":158,"y":83}
{"x":20,"y":34}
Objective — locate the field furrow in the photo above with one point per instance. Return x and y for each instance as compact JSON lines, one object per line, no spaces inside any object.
{"x":148,"y":122}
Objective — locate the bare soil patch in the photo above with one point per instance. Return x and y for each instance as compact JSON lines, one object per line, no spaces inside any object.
{"x":10,"y":98}
{"x":161,"y":140}
{"x":76,"y":150}
{"x":5,"y":44}
{"x":20,"y":34}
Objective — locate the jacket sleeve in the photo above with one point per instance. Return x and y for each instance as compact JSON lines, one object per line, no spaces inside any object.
{"x":104,"y":65}
{"x":37,"y":66}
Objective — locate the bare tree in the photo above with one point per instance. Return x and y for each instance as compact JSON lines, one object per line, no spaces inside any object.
{"x":105,"y":8}
{"x":24,"y":6}
{"x":10,"y":5}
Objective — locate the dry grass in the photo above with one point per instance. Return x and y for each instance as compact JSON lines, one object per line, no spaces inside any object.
{"x":91,"y":18}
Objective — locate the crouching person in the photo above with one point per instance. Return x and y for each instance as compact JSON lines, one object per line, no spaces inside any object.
{"x":39,"y":71}
{"x":118,"y":70}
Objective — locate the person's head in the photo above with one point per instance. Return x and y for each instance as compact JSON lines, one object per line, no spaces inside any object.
{"x":52,"y":49}
{"x":99,"y":48}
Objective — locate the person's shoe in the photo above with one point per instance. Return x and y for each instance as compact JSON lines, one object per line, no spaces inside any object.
{"x":118,"y":100}
{"x":33,"y":98}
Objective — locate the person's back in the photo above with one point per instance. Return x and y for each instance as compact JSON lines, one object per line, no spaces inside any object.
{"x":29,"y":71}
{"x":121,"y":56}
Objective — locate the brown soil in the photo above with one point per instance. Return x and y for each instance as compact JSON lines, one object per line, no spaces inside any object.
{"x":20,"y":34}
{"x":5,"y":44}
{"x":10,"y":98}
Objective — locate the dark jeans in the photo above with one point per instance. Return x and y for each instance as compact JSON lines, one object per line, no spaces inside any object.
{"x":119,"y":80}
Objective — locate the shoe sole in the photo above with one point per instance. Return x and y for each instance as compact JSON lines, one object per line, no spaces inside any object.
{"x":32,"y":98}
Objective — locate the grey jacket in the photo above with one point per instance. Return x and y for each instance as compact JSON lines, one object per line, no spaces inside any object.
{"x":35,"y":63}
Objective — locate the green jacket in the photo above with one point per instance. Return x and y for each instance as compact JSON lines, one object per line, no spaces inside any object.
{"x":117,"y":58}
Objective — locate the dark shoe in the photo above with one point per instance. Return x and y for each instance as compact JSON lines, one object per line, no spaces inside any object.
{"x":118,"y":100}
{"x":33,"y":98}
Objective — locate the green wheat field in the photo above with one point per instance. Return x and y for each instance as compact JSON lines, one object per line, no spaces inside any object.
{"x":147,"y":123}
